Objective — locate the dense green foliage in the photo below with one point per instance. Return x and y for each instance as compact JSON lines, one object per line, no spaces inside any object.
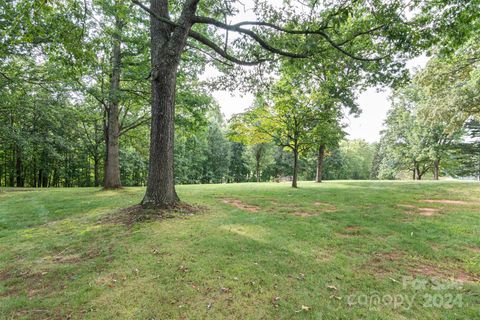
{"x":56,"y":67}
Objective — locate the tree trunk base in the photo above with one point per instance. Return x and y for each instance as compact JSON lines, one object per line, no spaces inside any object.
{"x":137,"y":213}
{"x":155,"y":204}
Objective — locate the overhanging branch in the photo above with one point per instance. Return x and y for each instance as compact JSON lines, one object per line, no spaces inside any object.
{"x":238,"y":28}
{"x":209,"y":43}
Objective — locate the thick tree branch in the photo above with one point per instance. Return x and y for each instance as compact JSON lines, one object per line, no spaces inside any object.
{"x":138,"y":122}
{"x":238,"y":28}
{"x":209,"y":43}
{"x":264,"y":44}
{"x":156,"y":16}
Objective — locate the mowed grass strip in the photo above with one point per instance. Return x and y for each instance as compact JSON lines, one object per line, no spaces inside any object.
{"x":257,"y":251}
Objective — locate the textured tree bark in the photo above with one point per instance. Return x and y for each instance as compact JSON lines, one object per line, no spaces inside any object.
{"x":112,"y":163}
{"x":167,"y":44}
{"x":436,"y":169}
{"x":295,"y":168}
{"x":321,"y":154}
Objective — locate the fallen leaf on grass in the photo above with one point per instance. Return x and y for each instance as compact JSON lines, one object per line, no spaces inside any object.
{"x":304,"y":309}
{"x":183,"y":269}
{"x":275,"y":301}
{"x":225,"y":290}
{"x":393,"y":280}
{"x":301,"y":276}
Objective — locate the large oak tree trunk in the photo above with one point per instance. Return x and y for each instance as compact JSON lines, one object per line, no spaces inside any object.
{"x":436,"y":169}
{"x":166,"y":47}
{"x":160,"y":183}
{"x":112,"y":163}
{"x":320,"y":156}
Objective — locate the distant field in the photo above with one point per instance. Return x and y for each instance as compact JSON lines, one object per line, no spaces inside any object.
{"x":336,"y":250}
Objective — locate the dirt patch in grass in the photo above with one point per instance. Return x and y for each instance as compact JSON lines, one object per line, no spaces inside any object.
{"x":413,"y":210}
{"x":353,"y":228}
{"x":385,"y":263}
{"x":131,"y":215}
{"x":427,"y":212}
{"x":74,"y":258}
{"x":432,"y":271}
{"x":53,"y":314}
{"x":321,"y":207}
{"x":32,"y":283}
{"x":241,"y":205}
{"x":445,"y":201}
{"x":474,"y":249}
{"x":5,"y":275}
{"x":304,"y":213}
{"x":325,"y":207}
{"x":380,"y":264}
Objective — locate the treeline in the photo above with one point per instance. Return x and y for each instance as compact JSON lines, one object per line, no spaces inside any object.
{"x":93,"y":93}
{"x":43,"y":144}
{"x":433,"y":126}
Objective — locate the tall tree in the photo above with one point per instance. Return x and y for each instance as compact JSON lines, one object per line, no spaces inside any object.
{"x":365,"y":28}
{"x":112,"y":156}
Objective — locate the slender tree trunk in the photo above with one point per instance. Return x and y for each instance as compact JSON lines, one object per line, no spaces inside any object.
{"x":257,"y":166}
{"x":34,"y":172}
{"x":5,"y":158}
{"x":477,"y":176}
{"x":416,"y":171}
{"x":112,"y":164}
{"x":11,"y":174}
{"x":321,"y":154}
{"x":436,"y":169}
{"x":96,"y":169}
{"x":19,"y":167}
{"x":45,"y":179}
{"x":40,"y":177}
{"x":295,"y":168}
{"x":419,"y":175}
{"x":105,"y":132}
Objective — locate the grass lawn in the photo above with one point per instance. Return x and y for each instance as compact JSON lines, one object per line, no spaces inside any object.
{"x":336,"y":250}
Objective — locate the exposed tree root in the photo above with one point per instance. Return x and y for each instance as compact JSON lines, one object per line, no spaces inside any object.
{"x":137,"y":213}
